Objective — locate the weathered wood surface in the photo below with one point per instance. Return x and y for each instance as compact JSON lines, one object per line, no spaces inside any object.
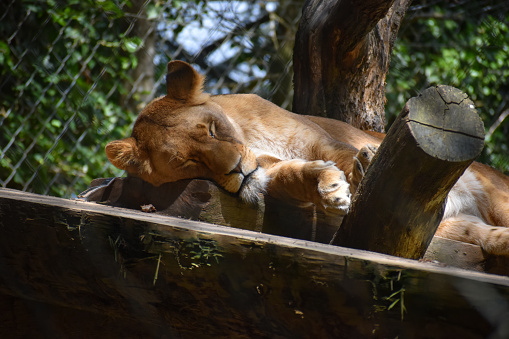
{"x":201,"y":200}
{"x":78,"y":269}
{"x":434,"y":139}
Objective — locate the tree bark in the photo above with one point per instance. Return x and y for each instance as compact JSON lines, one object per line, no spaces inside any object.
{"x":141,"y":87}
{"x":341,"y":58}
{"x":400,"y":201}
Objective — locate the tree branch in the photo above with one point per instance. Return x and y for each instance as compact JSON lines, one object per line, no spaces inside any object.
{"x":341,"y":57}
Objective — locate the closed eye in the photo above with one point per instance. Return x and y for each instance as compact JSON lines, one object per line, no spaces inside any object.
{"x":190,"y":162}
{"x":212,"y":129}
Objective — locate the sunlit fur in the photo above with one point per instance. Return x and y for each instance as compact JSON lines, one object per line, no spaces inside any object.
{"x":255,"y":186}
{"x":250,"y":147}
{"x":465,"y":197}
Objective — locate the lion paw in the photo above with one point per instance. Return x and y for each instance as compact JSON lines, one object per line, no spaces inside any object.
{"x":333,"y":189}
{"x":361,"y":162}
{"x":364,"y":157}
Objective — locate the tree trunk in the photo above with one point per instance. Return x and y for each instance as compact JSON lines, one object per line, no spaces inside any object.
{"x":400,"y":201}
{"x":341,"y":58}
{"x":141,"y":86}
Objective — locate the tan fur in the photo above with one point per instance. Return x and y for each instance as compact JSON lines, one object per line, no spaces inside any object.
{"x":477,"y":209}
{"x":249,"y":146}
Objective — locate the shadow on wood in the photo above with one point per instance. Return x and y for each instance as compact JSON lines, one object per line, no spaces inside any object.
{"x":72,"y":268}
{"x":203,"y":201}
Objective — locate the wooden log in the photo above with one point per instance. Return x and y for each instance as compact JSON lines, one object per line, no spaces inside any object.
{"x":202,"y":200}
{"x":78,"y":269}
{"x":400,"y":201}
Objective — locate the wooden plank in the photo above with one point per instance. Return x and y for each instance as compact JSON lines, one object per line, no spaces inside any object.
{"x":463,"y":255}
{"x":456,"y":253}
{"x":72,"y":267}
{"x":203,"y":201}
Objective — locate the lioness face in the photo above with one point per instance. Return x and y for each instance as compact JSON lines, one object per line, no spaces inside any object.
{"x":194,"y":142}
{"x":183,"y":137}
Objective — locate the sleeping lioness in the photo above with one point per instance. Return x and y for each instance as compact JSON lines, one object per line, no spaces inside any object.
{"x":249,"y":146}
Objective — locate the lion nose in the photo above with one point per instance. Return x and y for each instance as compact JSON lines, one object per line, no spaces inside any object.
{"x":238,"y":168}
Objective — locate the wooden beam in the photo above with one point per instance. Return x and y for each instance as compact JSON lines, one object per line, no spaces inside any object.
{"x":400,"y":201}
{"x":201,"y":200}
{"x":76,"y":268}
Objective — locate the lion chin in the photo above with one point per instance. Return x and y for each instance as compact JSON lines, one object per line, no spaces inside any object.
{"x":254,"y":186}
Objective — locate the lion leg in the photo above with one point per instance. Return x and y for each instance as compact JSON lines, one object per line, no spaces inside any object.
{"x":361,"y":162}
{"x":310,"y":182}
{"x":473,"y":230}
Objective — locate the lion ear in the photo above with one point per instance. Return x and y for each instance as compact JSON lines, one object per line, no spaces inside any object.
{"x":124,"y":154}
{"x":184,"y":83}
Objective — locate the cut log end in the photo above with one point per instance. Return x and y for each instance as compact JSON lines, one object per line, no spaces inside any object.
{"x":445,"y":124}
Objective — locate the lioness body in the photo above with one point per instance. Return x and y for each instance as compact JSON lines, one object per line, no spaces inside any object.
{"x":250,"y":146}
{"x":265,"y":128}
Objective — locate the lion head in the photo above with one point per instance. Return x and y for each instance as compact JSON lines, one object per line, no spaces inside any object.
{"x":185,"y":135}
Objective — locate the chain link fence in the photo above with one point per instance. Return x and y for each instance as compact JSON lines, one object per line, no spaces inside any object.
{"x":74,"y":74}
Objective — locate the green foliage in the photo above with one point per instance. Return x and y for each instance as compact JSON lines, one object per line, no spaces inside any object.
{"x":66,"y":67}
{"x":463,"y":47}
{"x":242,"y":46}
{"x":63,"y":66}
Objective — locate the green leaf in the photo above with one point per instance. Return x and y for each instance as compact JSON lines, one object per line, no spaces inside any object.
{"x":111,"y":8}
{"x":56,"y":123}
{"x":131,"y":45}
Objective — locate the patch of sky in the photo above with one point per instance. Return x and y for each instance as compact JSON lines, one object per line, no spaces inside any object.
{"x":216,"y":20}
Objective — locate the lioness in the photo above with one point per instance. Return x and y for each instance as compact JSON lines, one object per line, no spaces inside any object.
{"x":249,"y":146}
